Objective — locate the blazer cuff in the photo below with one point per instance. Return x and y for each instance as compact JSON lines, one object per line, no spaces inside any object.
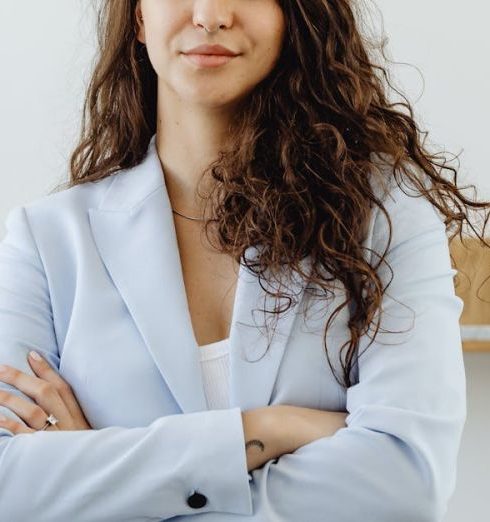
{"x":223,"y":477}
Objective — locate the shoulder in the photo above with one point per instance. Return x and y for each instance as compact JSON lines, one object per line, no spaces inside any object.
{"x":61,"y":215}
{"x":407,"y":212}
{"x":69,"y":201}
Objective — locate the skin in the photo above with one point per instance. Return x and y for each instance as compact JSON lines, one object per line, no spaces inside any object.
{"x":195,"y":105}
{"x":50,"y":393}
{"x":272,"y":431}
{"x":194,"y":109}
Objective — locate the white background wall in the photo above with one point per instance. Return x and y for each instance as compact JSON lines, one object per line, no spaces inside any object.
{"x":46,"y":49}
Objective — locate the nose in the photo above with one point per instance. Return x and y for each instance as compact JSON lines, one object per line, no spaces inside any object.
{"x":213,"y":14}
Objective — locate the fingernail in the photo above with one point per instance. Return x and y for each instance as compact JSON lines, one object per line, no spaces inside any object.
{"x":35,"y":355}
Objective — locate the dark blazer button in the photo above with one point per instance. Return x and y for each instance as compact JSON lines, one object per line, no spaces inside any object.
{"x":196,"y":500}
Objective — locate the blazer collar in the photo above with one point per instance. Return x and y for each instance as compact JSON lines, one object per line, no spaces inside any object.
{"x":134,"y":231}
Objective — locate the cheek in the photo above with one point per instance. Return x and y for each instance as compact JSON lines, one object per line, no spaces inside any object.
{"x":161,"y":46}
{"x":270,"y":32}
{"x":270,"y":50}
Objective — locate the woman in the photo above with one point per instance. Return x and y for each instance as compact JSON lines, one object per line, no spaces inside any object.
{"x":211,"y":185}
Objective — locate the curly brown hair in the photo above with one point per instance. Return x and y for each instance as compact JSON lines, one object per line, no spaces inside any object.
{"x":295,"y":173}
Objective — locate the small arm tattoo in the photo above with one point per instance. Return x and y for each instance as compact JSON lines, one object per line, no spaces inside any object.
{"x":255,"y":442}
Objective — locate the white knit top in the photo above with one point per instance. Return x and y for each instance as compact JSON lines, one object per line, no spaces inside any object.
{"x":215,"y":367}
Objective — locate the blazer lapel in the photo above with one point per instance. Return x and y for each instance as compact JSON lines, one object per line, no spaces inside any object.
{"x":255,"y":359}
{"x":134,"y":231}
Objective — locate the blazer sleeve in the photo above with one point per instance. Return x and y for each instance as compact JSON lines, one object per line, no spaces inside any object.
{"x":396,"y":458}
{"x":111,"y":474}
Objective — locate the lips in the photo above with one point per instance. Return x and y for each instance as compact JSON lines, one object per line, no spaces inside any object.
{"x":208,"y":60}
{"x":218,"y":50}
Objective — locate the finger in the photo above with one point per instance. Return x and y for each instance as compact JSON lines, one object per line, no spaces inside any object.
{"x":42,"y":368}
{"x":33,"y":415}
{"x":14,"y":426}
{"x":43,"y":392}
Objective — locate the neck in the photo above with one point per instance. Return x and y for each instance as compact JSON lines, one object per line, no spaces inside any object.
{"x":188,"y":139}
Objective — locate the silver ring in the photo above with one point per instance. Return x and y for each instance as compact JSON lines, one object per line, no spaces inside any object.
{"x":50,"y":421}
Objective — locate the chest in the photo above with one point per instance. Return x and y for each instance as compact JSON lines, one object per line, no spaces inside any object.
{"x":210,"y":283}
{"x":122,"y":349}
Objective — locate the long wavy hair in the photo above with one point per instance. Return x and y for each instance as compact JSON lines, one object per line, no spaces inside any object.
{"x":294,"y":175}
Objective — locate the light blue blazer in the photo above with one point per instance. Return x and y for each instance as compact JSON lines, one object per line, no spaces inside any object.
{"x":91,"y":277}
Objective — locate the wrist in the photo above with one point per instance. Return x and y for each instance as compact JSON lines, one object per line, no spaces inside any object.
{"x":260,"y":437}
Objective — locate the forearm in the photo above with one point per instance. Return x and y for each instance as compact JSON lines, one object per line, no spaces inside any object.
{"x":275,"y":430}
{"x":304,"y":425}
{"x":261,"y":442}
{"x":104,"y":474}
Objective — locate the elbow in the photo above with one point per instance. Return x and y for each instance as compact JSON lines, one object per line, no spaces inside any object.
{"x":419,"y":454}
{"x":428,"y":487}
{"x":431,"y":508}
{"x":417,"y":473}
{"x":421,"y":504}
{"x":437,"y":498}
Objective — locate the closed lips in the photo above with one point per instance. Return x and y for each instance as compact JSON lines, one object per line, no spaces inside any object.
{"x":211,"y":50}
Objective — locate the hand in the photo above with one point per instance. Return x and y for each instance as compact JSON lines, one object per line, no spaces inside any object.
{"x":52,"y":394}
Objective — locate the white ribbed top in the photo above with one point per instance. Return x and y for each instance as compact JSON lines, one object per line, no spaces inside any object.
{"x":215,"y":367}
